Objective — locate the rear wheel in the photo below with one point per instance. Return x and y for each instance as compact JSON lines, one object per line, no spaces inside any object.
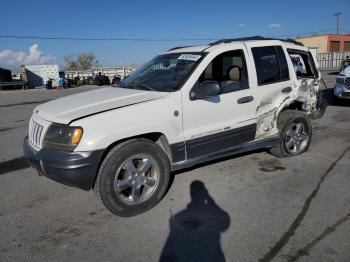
{"x":295,"y":133}
{"x":133,"y":177}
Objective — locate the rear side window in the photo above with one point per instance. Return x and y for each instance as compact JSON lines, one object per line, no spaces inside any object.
{"x":271,"y":64}
{"x":303,"y":64}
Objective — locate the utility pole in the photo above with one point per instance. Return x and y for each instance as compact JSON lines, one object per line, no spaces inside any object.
{"x":337,"y":15}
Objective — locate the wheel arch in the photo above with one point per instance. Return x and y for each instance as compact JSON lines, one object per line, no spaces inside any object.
{"x":157,"y":137}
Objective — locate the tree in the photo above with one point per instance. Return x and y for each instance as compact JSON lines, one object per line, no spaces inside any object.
{"x":83,"y":61}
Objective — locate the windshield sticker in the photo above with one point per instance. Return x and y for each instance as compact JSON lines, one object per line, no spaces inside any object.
{"x":189,"y":57}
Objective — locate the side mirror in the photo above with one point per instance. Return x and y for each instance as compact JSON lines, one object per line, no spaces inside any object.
{"x":206,"y":89}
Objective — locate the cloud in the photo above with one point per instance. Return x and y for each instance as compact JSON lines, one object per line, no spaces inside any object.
{"x":240,"y":25}
{"x":275,"y":25}
{"x":13,"y":59}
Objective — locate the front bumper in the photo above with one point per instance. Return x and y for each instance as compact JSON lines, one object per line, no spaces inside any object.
{"x":77,"y":169}
{"x":341,"y":92}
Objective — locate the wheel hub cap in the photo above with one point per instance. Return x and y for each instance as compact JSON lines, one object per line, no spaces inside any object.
{"x":136,"y":180}
{"x":296,"y":138}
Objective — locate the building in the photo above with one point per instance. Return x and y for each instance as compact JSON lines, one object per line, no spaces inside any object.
{"x":327,"y":43}
{"x":37,"y":75}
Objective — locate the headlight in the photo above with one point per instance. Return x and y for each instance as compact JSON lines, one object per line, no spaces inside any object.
{"x":340,"y":81}
{"x":62,"y":137}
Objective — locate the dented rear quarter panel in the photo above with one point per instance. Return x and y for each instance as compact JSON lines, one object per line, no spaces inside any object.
{"x":271,"y":99}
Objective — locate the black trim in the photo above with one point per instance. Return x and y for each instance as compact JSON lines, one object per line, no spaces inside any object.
{"x":287,"y":90}
{"x":178,"y":152}
{"x":310,"y":59}
{"x":250,"y":38}
{"x":212,"y":143}
{"x":215,"y":142}
{"x":77,"y":169}
{"x":245,"y":99}
{"x":250,"y":146}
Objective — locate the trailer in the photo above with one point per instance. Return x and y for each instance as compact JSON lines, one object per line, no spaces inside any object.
{"x":38,"y":75}
{"x":7,"y":82}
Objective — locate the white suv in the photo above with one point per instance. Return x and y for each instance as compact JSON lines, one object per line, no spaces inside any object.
{"x":342,"y":85}
{"x":186,"y":106}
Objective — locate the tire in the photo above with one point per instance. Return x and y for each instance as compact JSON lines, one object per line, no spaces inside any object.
{"x":133,"y":177}
{"x":292,"y":142}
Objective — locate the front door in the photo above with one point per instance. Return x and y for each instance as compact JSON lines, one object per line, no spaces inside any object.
{"x":219,"y":122}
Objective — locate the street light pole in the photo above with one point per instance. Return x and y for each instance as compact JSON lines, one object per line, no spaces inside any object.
{"x":337,"y":15}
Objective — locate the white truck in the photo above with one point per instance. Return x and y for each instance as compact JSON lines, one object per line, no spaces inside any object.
{"x":342,"y":84}
{"x":186,"y":106}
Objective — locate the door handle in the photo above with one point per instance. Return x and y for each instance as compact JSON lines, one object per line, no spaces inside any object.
{"x":245,"y":99}
{"x":287,"y":90}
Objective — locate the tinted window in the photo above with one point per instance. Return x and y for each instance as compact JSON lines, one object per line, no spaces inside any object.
{"x":283,"y":64}
{"x":271,"y":65}
{"x":229,"y":69}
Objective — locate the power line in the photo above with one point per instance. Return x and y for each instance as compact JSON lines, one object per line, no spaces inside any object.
{"x":144,"y":39}
{"x":305,"y":33}
{"x":108,"y":39}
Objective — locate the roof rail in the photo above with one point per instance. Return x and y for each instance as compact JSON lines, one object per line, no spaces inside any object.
{"x":254,"y":38}
{"x":178,"y":47}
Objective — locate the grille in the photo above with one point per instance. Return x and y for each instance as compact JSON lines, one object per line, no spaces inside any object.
{"x":345,"y":94}
{"x":35,"y":132}
{"x":347,"y":81}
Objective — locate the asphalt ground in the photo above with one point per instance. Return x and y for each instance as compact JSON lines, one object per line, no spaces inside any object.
{"x":250,"y":207}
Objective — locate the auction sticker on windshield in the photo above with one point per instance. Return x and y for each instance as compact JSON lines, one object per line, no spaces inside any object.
{"x":190,"y":57}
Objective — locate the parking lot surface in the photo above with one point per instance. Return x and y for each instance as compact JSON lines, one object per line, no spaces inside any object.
{"x":250,"y":207}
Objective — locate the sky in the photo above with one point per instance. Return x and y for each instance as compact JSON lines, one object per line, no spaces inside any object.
{"x":174,"y":20}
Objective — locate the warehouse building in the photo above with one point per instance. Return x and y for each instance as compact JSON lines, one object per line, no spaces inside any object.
{"x":327,"y":43}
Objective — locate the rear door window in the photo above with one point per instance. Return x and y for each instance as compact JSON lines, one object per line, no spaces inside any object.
{"x":271,"y":65}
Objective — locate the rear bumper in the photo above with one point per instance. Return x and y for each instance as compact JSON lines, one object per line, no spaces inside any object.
{"x":77,"y":169}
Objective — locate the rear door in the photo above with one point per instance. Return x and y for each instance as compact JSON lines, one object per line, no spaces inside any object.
{"x":272,"y":83}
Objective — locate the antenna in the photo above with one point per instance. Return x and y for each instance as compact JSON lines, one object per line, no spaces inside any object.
{"x":337,"y":15}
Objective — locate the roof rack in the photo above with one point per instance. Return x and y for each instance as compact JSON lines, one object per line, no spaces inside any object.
{"x":254,"y":38}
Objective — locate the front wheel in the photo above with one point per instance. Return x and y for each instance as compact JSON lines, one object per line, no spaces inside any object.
{"x":295,"y":132}
{"x":133,"y":177}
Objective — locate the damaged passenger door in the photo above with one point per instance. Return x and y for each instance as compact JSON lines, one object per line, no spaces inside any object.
{"x":272,"y":86}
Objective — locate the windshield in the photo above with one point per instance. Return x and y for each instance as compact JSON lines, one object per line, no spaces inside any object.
{"x":165,"y":73}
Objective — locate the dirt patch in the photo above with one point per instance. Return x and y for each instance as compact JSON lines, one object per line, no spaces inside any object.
{"x":271,"y":165}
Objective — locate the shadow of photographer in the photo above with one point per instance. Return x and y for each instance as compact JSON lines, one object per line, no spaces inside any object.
{"x":195,"y":231}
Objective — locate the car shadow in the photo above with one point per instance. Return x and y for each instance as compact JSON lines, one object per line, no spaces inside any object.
{"x":335,"y":73}
{"x":332,"y":100}
{"x":195,"y":231}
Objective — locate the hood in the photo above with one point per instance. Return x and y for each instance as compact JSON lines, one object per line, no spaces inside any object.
{"x":346,"y":71}
{"x":66,"y":109}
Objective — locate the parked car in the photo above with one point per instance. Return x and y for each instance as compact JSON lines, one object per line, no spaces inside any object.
{"x":298,"y":66}
{"x":184,"y":107}
{"x":342,"y":84}
{"x":345,"y":63}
